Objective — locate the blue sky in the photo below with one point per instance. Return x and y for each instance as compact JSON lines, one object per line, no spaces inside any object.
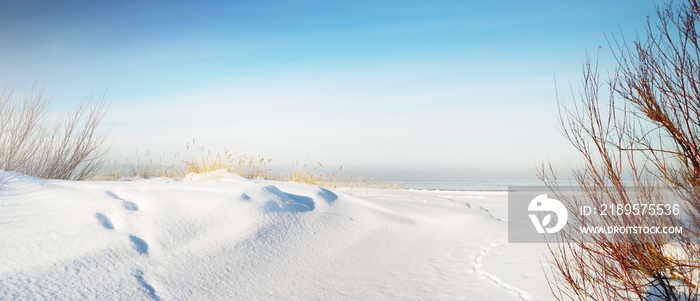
{"x":435,"y":87}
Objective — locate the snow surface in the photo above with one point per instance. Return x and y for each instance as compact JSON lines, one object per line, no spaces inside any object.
{"x":219,"y":236}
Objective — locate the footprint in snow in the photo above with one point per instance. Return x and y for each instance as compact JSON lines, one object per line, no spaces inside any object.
{"x":490,"y":214}
{"x":146,"y":286}
{"x":131,"y":206}
{"x":104,"y":221}
{"x":139,"y":244}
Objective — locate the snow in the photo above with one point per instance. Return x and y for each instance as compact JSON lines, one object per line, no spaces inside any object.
{"x":219,"y":236}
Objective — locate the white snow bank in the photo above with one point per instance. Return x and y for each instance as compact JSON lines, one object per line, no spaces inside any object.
{"x":219,"y":236}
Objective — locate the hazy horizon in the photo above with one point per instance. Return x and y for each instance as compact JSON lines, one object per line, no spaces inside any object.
{"x":457,"y":88}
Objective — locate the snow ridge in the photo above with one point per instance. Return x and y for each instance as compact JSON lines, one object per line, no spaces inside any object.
{"x":224,"y":237}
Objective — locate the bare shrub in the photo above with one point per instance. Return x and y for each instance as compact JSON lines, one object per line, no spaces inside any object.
{"x":646,"y":138}
{"x":34,"y":143}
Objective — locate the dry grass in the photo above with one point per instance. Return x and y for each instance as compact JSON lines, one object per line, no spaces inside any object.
{"x":254,"y":167}
{"x":69,"y":147}
{"x":302,"y":174}
{"x":34,"y":143}
{"x":200,"y":159}
{"x":364,"y":181}
{"x":146,"y":166}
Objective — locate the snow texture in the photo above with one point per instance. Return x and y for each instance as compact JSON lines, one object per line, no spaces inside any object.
{"x":219,"y":236}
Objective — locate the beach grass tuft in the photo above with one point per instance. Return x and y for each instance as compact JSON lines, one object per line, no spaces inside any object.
{"x":200,"y":159}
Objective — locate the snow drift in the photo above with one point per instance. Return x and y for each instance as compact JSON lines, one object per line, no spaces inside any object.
{"x":219,"y":236}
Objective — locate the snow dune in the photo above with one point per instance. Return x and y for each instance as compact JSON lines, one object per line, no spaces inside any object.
{"x":219,"y":236}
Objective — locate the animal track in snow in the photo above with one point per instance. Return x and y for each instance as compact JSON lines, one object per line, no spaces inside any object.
{"x":139,"y":244}
{"x":104,"y":221}
{"x":483,"y":209}
{"x":131,"y":206}
{"x":477,"y":264}
{"x":490,"y":214}
{"x":146,"y":286}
